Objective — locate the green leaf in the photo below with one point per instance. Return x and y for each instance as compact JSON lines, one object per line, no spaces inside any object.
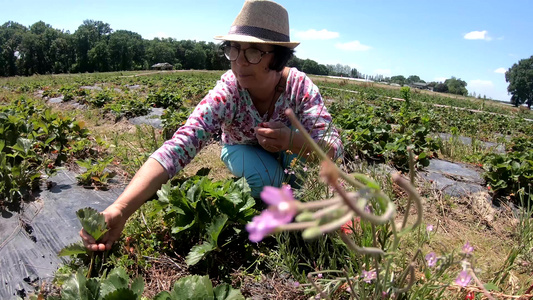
{"x":164,"y":192}
{"x":23,"y":145}
{"x":2,"y":144}
{"x":50,"y":139}
{"x":215,"y":228}
{"x":194,"y":193}
{"x":183,"y":222}
{"x":121,"y":294}
{"x":117,"y":279}
{"x":226,"y":292}
{"x":243,"y":185}
{"x":74,"y":288}
{"x":73,"y":249}
{"x":93,"y":222}
{"x":193,"y":288}
{"x":489,"y":286}
{"x":93,"y":288}
{"x":198,"y":252}
{"x":164,"y":295}
{"x":137,"y":286}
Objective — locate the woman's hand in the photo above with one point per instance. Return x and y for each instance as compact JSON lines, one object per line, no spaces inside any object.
{"x":273,"y":136}
{"x":115,"y":221}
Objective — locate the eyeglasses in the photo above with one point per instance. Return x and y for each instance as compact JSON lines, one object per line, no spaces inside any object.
{"x":252,"y":55}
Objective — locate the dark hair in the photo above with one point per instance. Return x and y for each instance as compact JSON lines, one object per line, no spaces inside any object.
{"x":282,"y":55}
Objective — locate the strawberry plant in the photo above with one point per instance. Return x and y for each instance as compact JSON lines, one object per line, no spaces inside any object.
{"x":511,"y":173}
{"x":199,"y":287}
{"x":96,"y":174}
{"x":172,"y":119}
{"x":32,"y":140}
{"x":206,"y":215}
{"x":115,"y":285}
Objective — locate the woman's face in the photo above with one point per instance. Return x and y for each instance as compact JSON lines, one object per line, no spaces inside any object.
{"x":251,"y":76}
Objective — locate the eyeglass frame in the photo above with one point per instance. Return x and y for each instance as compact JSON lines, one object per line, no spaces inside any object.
{"x":263,"y":53}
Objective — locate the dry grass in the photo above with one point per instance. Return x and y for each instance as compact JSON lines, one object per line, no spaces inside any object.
{"x":209,"y":157}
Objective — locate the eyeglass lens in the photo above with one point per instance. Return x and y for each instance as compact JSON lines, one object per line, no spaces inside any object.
{"x":252,"y":55}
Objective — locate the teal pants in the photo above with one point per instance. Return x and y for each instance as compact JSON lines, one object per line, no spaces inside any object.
{"x":259,"y":167}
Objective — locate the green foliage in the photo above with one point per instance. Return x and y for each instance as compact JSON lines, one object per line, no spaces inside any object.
{"x":201,"y":210}
{"x":172,"y":119}
{"x":33,"y":140}
{"x":456,"y":86}
{"x":379,"y":133}
{"x":199,"y":288}
{"x":406,"y":95}
{"x":165,"y":98}
{"x":73,"y":249}
{"x":93,"y":222}
{"x":116,"y":285}
{"x":520,"y":78}
{"x":511,"y":173}
{"x":95,"y":174}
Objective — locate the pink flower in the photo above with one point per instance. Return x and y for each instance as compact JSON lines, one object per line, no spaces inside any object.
{"x":262,"y":225}
{"x":281,"y":202}
{"x":368,"y":276}
{"x":286,"y":171}
{"x":429,"y":228}
{"x":319,"y":275}
{"x":463,"y":279}
{"x":431,"y":258}
{"x":296,"y":284}
{"x":305,"y":169}
{"x":468,"y":249}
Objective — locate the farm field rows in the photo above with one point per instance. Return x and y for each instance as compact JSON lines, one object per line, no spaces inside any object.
{"x":193,"y":231}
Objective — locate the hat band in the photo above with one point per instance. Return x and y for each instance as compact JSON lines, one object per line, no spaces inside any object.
{"x":261,"y":33}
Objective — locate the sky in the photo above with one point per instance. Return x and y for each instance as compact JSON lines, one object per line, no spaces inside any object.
{"x":476,"y":41}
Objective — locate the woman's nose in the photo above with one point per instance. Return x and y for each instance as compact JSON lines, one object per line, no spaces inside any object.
{"x":241,"y":59}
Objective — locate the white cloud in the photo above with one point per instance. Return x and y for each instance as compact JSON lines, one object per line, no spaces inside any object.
{"x":384,"y":72}
{"x":500,"y":70}
{"x":478,"y":35}
{"x":353,"y":46}
{"x":440,"y":79}
{"x":313,"y":34}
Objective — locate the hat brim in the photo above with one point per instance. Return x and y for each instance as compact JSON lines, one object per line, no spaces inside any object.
{"x":252,"y":39}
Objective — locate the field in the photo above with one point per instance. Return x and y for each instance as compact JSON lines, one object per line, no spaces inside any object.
{"x":192,"y":234}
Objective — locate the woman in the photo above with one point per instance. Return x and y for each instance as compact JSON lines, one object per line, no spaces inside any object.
{"x":248,"y":105}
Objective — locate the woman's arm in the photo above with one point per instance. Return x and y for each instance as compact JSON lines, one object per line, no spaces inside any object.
{"x":146,"y":182}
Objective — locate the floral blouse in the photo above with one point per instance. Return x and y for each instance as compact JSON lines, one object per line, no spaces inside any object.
{"x":229,"y":108}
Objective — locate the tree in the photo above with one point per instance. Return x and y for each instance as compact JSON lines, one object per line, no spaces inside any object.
{"x":86,"y":37}
{"x":11,"y":35}
{"x":456,"y":86}
{"x":126,"y":50}
{"x":195,"y":58}
{"x":440,"y":88}
{"x":414,"y":79}
{"x":295,"y":62}
{"x":520,"y":79}
{"x":399,"y":79}
{"x":353,"y":73}
{"x":310,"y":67}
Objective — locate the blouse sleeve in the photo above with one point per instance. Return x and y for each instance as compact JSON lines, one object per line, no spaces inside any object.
{"x":315,"y":117}
{"x":190,"y":138}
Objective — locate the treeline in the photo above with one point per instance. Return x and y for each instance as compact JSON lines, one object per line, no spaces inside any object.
{"x":94,"y":46}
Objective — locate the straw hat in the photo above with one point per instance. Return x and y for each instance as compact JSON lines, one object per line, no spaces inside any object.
{"x":262,"y":22}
